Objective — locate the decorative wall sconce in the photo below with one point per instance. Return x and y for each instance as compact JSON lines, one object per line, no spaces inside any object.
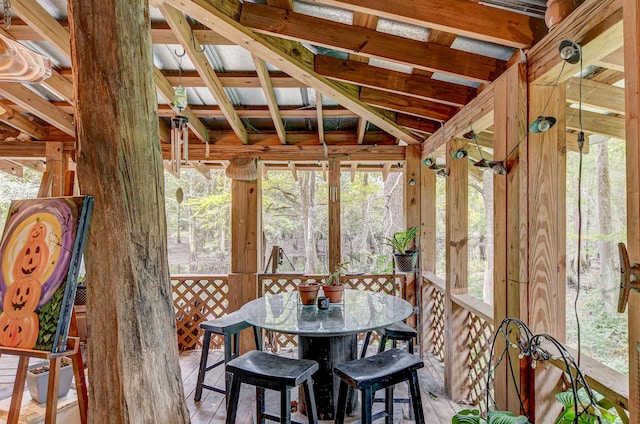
{"x":542,"y":124}
{"x":570,"y":51}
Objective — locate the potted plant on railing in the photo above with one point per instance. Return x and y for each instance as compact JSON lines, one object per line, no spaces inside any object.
{"x":333,"y":287}
{"x":405,"y":257}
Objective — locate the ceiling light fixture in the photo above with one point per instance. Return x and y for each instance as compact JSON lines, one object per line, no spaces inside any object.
{"x":19,"y":64}
{"x":542,"y":124}
{"x":570,"y":51}
{"x":459,"y":153}
{"x":498,"y":167}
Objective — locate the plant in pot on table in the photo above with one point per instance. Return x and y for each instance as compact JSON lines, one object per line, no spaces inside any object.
{"x":405,"y":257}
{"x":333,"y":287}
{"x":308,"y":291}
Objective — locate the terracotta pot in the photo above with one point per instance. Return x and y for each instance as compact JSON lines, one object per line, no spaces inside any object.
{"x":334,"y":293}
{"x":308,"y":293}
{"x":557,"y":10}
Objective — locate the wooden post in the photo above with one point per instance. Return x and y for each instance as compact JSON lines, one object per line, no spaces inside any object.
{"x":547,"y":234}
{"x":335,"y":243}
{"x":412,"y":216}
{"x":510,"y":225}
{"x":133,"y":354}
{"x":246,"y":247}
{"x":457,"y":247}
{"x":631,"y":23}
{"x":427,"y":245}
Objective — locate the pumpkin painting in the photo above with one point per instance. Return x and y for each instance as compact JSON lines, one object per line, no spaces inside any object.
{"x":19,"y":332}
{"x":39,"y":244}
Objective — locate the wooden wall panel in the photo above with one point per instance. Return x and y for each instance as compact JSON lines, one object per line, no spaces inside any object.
{"x":245,"y":234}
{"x":412,"y":216}
{"x":335,"y":242}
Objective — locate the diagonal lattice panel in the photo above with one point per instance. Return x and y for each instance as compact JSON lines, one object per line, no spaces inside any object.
{"x":480,"y":334}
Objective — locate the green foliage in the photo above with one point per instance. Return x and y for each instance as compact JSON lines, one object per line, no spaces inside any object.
{"x":334,"y":278}
{"x":468,"y":416}
{"x":401,"y":240}
{"x":48,"y":317}
{"x":568,"y":415}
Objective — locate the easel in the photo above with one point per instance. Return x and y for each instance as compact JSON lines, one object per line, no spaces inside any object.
{"x":55,"y":359}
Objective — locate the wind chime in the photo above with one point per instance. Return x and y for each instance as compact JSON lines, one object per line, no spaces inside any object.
{"x":179,"y":127}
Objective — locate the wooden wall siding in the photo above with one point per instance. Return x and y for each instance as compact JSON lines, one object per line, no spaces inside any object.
{"x":546,"y":289}
{"x":245,"y":243}
{"x":632,"y":103}
{"x":457,"y":258}
{"x":197,"y":299}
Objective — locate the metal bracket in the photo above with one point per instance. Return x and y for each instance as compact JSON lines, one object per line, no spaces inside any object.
{"x":629,"y":277}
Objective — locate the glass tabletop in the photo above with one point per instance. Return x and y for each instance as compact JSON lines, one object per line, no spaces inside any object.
{"x":360,"y":311}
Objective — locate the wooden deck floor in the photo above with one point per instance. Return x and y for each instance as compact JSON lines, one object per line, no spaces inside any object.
{"x":211,"y":409}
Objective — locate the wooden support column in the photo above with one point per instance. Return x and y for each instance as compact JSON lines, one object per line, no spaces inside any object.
{"x":457,"y":246}
{"x":135,"y":372}
{"x":335,"y":243}
{"x":412,"y":217}
{"x":631,"y":23}
{"x":246,"y":246}
{"x":510,"y":226}
{"x":547,"y":234}
{"x":53,"y":178}
{"x":427,"y":244}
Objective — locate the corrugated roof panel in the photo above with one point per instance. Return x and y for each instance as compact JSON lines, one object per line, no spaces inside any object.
{"x":455,"y":80}
{"x":385,"y":64}
{"x":234,"y":58}
{"x":250,"y":96}
{"x":324,"y":12}
{"x":288,"y":96}
{"x":58,"y":59}
{"x":56,"y":8}
{"x":483,"y":48}
{"x":200,"y":96}
{"x":400,"y":29}
{"x":165,"y":57}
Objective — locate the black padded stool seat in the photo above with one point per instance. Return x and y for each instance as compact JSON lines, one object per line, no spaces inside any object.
{"x":381,"y":371}
{"x":268,"y":371}
{"x":227,"y":326}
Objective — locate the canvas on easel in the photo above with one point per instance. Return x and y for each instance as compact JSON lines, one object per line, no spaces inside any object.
{"x":40,"y":253}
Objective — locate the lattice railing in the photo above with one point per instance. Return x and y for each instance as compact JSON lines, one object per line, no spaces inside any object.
{"x":197,"y":299}
{"x":480,"y":336}
{"x":433,"y":318}
{"x":278,"y":283}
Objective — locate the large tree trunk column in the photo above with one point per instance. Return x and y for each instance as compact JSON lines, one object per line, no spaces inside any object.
{"x":133,"y":356}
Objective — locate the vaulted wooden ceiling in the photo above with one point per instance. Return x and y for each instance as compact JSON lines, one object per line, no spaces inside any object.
{"x":291,"y":80}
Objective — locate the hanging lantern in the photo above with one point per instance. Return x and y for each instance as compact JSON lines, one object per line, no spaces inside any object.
{"x":179,"y":131}
{"x":242,"y":168}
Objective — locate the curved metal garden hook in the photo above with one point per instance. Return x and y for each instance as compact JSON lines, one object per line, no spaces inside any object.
{"x":193,"y":41}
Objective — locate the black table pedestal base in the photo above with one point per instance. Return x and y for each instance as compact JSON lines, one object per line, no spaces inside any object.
{"x":327,"y":351}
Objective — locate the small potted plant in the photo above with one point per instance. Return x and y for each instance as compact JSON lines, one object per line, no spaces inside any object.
{"x":333,"y":287}
{"x":405,"y":257}
{"x":308,"y":292}
{"x":468,"y":416}
{"x":38,"y":379}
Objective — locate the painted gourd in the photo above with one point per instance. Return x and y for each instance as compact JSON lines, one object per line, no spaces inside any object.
{"x":32,"y":258}
{"x":19,"y":332}
{"x":22,"y":297}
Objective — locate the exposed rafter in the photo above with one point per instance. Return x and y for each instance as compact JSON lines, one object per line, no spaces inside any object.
{"x":270,"y":96}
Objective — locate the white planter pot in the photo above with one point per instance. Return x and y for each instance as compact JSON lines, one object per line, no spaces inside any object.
{"x":37,"y":383}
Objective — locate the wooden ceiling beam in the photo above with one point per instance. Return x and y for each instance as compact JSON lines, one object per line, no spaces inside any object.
{"x":370,"y":43}
{"x":20,"y":122}
{"x":44,"y":24}
{"x":354,"y":168}
{"x":35,"y":165}
{"x":181,"y":28}
{"x":30,"y":150}
{"x":361,"y":130}
{"x":396,"y":82}
{"x":599,"y":31}
{"x":614,"y":61}
{"x":38,"y":106}
{"x":203,"y":169}
{"x":320,"y":117}
{"x":607,"y":97}
{"x":292,"y":58}
{"x":596,"y":123}
{"x":10,"y":167}
{"x":166,"y":91}
{"x":235,"y":79}
{"x":270,"y":96}
{"x":417,"y":123}
{"x":408,"y":105}
{"x":479,"y":22}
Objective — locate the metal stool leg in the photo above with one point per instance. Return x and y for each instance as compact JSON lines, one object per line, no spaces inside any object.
{"x":234,"y":397}
{"x":206,"y":342}
{"x":342,"y":402}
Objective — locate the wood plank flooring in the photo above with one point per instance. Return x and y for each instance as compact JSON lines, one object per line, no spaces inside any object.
{"x":212,"y":409}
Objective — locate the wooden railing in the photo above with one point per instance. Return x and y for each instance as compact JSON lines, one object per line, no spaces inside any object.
{"x":611,"y":384}
{"x":198,"y":298}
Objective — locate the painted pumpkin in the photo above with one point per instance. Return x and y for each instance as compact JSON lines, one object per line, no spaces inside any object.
{"x":22,"y":297}
{"x":19,"y":332}
{"x":32,"y":258}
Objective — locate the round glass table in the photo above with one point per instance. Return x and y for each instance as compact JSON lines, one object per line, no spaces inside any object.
{"x":327,"y":336}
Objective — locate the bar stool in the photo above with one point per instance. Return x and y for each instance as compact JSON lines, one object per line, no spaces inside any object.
{"x":381,"y":371}
{"x":398,"y":331}
{"x":227,"y":326}
{"x":268,"y":371}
